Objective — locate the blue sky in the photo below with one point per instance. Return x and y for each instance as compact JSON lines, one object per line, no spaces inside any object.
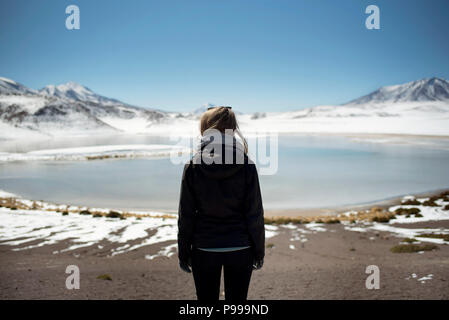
{"x":251,"y":54}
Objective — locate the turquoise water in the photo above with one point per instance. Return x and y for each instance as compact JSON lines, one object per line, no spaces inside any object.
{"x":313,"y":172}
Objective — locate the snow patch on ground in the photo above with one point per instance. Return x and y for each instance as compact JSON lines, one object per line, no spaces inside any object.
{"x":27,"y":229}
{"x":410,"y":232}
{"x":317,"y":227}
{"x":422,"y":280}
{"x":271,"y":231}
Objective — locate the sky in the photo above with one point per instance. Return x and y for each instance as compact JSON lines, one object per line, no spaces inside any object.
{"x":254,"y":55}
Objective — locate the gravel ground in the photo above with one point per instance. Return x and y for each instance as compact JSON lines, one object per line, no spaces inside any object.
{"x":328,"y":265}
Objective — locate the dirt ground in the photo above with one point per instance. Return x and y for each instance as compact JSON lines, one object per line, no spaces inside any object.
{"x":329,"y":265}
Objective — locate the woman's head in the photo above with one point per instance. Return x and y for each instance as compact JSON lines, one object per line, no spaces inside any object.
{"x":218,"y":118}
{"x":221,"y":118}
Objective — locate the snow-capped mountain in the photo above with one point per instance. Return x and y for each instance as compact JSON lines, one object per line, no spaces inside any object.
{"x":68,"y":108}
{"x":421,"y":98}
{"x":8,"y":86}
{"x":75,"y":91}
{"x":419,"y":108}
{"x":434,"y":89}
{"x":100,"y":106}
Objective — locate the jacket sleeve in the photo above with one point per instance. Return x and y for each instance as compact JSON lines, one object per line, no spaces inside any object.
{"x":254,"y":212}
{"x":186,"y":215}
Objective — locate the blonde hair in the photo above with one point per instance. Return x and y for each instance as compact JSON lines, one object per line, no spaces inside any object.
{"x":221,"y":118}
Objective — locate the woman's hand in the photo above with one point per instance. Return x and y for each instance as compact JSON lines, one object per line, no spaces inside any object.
{"x":257,"y":264}
{"x":186,"y":265}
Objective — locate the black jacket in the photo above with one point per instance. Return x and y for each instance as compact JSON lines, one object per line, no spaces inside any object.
{"x":220,"y":204}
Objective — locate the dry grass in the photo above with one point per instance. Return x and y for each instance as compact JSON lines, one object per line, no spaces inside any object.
{"x":105,"y":277}
{"x":409,"y":240}
{"x":103,"y":157}
{"x":410,"y":248}
{"x":430,"y":203}
{"x":283,"y":220}
{"x":445,"y":237}
{"x":405,"y":211}
{"x":411,"y":202}
{"x":12,"y":203}
{"x":374,"y":214}
{"x":16,"y":204}
{"x":114,"y":214}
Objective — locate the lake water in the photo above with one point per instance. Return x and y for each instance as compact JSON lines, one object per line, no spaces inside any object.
{"x":313,"y":172}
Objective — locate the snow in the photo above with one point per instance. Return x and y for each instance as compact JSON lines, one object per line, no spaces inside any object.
{"x":422,"y":280}
{"x":7,"y":80}
{"x":29,"y":103}
{"x":428,"y":277}
{"x":28,"y":229}
{"x":133,"y":126}
{"x":8,"y":86}
{"x":317,"y":227}
{"x":20,"y":227}
{"x":406,"y":118}
{"x":271,"y":231}
{"x":410,"y":232}
{"x":357,"y":229}
{"x":4,"y":194}
{"x":75,"y":91}
{"x":428,"y":214}
{"x":94,"y":152}
{"x":168,"y":251}
{"x":298,"y":235}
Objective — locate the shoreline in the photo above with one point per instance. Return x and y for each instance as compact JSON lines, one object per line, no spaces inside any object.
{"x":365,"y":134}
{"x":333,"y":211}
{"x":309,"y":213}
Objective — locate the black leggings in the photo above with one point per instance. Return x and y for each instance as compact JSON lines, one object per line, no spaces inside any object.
{"x":206,"y":268}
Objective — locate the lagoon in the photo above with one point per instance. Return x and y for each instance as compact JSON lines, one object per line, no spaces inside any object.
{"x":314,"y":171}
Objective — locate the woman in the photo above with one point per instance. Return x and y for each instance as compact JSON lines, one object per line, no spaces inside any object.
{"x":220,"y":220}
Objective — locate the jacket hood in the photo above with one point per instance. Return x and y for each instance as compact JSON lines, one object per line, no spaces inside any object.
{"x":220,"y":156}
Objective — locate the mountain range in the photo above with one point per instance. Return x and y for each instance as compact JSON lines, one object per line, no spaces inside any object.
{"x":73,"y":109}
{"x":67,"y":108}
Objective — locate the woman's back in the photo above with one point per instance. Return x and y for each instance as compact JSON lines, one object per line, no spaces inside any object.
{"x":220,"y":210}
{"x":220,"y":192}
